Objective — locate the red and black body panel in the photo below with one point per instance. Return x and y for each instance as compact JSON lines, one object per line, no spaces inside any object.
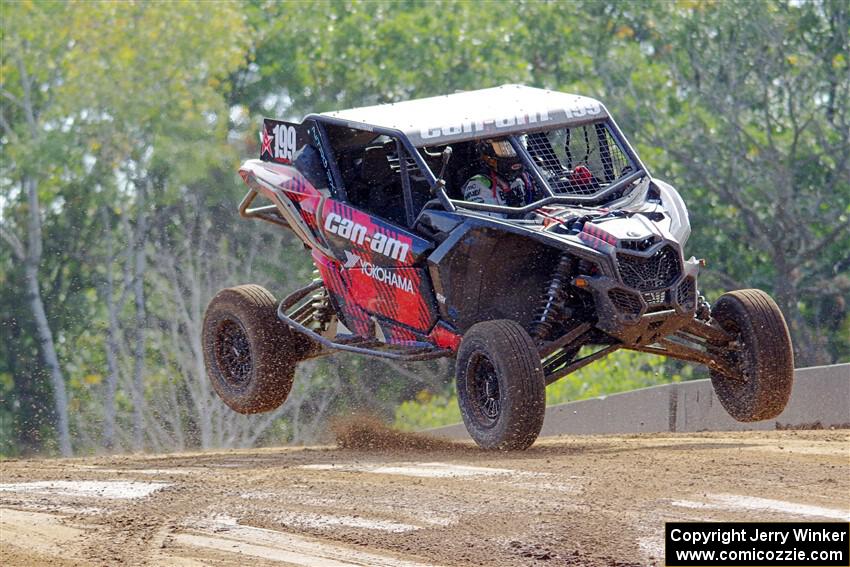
{"x":374,"y":270}
{"x":377,"y":270}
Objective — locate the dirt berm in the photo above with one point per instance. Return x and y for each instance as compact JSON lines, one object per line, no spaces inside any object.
{"x":386,"y":499}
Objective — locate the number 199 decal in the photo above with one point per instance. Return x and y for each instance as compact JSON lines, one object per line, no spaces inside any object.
{"x":284,"y":142}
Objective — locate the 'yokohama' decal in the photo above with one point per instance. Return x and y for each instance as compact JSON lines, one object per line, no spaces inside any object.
{"x":379,"y":273}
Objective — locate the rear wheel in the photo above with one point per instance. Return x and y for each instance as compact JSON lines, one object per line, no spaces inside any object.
{"x":249,"y":354}
{"x":500,"y":385}
{"x":760,"y":357}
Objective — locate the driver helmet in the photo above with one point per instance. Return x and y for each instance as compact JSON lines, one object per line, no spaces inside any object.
{"x":499,"y":155}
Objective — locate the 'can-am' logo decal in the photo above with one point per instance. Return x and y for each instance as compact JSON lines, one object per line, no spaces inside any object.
{"x":359,"y":234}
{"x":485,"y":125}
{"x":580,"y":110}
{"x":383,"y":275}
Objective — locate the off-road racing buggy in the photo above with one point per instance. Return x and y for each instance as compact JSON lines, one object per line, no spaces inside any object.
{"x":520,"y":295}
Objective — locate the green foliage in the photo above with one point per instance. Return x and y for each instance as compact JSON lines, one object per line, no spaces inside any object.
{"x":427,"y":411}
{"x":761,"y":154}
{"x":619,"y":372}
{"x":98,"y":99}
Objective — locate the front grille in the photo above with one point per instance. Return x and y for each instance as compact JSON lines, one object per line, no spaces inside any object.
{"x":686,"y":293}
{"x":652,"y":273}
{"x":625,"y":301}
{"x":655,"y":297}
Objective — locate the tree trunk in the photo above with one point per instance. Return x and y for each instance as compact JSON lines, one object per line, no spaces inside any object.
{"x":31,"y":396}
{"x":42,"y":327}
{"x":111,"y":343}
{"x":139,"y":298}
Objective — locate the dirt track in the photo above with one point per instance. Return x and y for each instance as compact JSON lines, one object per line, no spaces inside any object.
{"x":567,"y":501}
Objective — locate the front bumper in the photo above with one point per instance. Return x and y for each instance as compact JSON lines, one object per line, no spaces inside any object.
{"x":650,"y":297}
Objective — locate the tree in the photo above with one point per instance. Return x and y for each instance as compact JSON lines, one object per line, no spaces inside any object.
{"x":27,"y":84}
{"x":758,"y":126}
{"x":96,"y":78}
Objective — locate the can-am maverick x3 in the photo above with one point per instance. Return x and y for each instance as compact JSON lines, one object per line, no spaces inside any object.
{"x":520,"y":295}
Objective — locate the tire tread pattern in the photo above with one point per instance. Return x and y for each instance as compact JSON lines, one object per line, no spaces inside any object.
{"x":514,"y":353}
{"x":771,"y":356}
{"x":275,"y":348}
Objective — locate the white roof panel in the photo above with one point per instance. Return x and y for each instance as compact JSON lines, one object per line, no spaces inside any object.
{"x":474,"y":114}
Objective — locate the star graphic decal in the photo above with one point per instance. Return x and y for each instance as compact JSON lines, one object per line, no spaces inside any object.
{"x":267,"y":144}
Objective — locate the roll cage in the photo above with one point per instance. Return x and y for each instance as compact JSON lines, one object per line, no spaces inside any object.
{"x":406,"y":149}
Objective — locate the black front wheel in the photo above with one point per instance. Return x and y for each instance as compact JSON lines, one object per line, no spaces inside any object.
{"x":759,"y":360}
{"x":501,"y":388}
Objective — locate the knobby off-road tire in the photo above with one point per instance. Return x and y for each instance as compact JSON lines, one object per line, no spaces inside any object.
{"x":250,"y":355}
{"x":501,"y":388}
{"x":763,"y":360}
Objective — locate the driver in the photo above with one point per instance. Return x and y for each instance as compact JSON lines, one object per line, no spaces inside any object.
{"x":504,"y":182}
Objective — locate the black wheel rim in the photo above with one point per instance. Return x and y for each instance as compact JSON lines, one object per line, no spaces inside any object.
{"x":483,"y":390}
{"x":233,"y":353}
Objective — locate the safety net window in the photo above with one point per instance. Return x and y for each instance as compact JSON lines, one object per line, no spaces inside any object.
{"x":581,"y":160}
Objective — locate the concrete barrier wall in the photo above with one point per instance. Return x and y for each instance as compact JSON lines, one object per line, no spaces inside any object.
{"x":821,"y":395}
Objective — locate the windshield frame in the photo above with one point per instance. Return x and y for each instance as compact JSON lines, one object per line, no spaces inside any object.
{"x":452,"y":205}
{"x":550,"y":195}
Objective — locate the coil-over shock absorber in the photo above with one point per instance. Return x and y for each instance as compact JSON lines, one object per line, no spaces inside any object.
{"x":553,"y":307}
{"x":322,"y":311}
{"x":316,"y":313}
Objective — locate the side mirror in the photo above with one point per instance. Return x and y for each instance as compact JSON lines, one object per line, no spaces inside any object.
{"x":441,"y":180}
{"x":447,"y":155}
